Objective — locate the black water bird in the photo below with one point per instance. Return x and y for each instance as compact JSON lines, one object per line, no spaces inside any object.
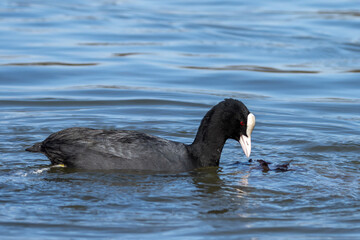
{"x":88,"y":148}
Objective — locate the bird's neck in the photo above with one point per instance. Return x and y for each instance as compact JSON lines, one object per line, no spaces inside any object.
{"x":208,"y":144}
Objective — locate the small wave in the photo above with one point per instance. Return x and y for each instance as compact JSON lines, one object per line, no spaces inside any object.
{"x":334,"y":14}
{"x":120,"y":44}
{"x":251,"y":68}
{"x":128,"y":54}
{"x":41,"y":170}
{"x":334,"y":147}
{"x":50,"y":64}
{"x":333,"y":100}
{"x":74,"y":102}
{"x":219,"y":93}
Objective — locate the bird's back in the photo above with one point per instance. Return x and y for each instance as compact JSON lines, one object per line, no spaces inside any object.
{"x":115,"y":149}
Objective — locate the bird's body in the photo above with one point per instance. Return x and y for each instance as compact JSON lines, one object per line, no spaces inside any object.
{"x":114,"y":149}
{"x":88,"y":148}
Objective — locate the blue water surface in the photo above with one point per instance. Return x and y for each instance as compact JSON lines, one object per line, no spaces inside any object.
{"x":158,"y":67}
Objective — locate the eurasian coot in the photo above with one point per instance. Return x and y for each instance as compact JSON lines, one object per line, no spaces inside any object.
{"x":88,"y":148}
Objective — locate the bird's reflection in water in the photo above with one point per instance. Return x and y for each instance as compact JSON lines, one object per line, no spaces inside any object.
{"x":207,"y":180}
{"x":222,"y":194}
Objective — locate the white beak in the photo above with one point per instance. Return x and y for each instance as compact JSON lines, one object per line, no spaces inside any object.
{"x":246,"y":141}
{"x":246,"y":144}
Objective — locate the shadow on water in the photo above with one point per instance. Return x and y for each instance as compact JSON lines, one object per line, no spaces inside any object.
{"x":208,"y":187}
{"x":207,"y":180}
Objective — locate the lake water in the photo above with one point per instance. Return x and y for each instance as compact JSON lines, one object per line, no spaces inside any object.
{"x":158,"y":67}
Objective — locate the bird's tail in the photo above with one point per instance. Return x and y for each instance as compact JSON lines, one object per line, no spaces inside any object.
{"x":37,"y":147}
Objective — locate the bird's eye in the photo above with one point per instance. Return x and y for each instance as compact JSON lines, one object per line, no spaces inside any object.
{"x":242,"y":123}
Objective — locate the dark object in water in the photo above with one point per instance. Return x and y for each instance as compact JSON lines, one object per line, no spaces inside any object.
{"x":283,"y":167}
{"x":264,"y":165}
{"x":118,"y":149}
{"x":278,"y":168}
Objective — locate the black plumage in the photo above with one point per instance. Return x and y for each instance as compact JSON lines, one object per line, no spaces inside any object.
{"x":88,"y":148}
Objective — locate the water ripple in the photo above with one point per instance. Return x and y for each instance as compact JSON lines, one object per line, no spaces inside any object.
{"x":51,"y":64}
{"x":251,"y":68}
{"x":158,"y":68}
